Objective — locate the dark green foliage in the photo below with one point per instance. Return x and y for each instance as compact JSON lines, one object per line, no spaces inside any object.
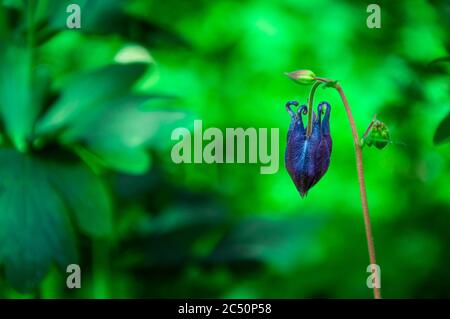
{"x":35,"y":229}
{"x":442,"y":133}
{"x":56,"y":143}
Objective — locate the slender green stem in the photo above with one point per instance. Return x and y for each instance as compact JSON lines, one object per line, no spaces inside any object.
{"x":360,"y":170}
{"x":101,"y":268}
{"x":310,"y":107}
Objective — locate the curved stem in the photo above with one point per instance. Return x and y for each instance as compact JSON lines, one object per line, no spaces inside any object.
{"x":310,"y":107}
{"x":362,"y":185}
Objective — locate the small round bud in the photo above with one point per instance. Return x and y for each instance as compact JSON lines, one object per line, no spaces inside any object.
{"x":381,"y":135}
{"x":302,"y":76}
{"x":378,"y":135}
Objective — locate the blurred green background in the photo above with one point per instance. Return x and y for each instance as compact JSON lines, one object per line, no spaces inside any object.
{"x":86,"y":175}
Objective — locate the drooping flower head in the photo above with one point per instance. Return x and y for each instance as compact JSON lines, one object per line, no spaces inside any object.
{"x":308,"y":156}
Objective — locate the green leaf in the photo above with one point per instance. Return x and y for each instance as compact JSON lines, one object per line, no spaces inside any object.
{"x":119,"y":132}
{"x":110,"y":17}
{"x":125,"y":124}
{"x":442,"y":134}
{"x":133,"y":161}
{"x":87,"y":92}
{"x":17,"y":4}
{"x":34,"y":226}
{"x":130,"y":161}
{"x":80,"y":129}
{"x":18,"y":107}
{"x":277,"y":241}
{"x":438,"y":60}
{"x":93,"y":13}
{"x":86,"y":195}
{"x":169,"y":239}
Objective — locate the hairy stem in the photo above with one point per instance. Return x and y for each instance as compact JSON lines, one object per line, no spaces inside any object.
{"x":360,"y":170}
{"x":369,"y":128}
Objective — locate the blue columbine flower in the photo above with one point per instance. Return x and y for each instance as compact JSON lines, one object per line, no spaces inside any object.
{"x":308,"y":157}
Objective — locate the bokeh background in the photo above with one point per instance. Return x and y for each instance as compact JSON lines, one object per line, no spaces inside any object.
{"x":86,"y":175}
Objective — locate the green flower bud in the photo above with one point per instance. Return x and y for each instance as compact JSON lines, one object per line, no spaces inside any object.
{"x":302,"y":76}
{"x":378,"y":135}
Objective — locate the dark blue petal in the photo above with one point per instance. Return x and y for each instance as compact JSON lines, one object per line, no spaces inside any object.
{"x":325,"y":125}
